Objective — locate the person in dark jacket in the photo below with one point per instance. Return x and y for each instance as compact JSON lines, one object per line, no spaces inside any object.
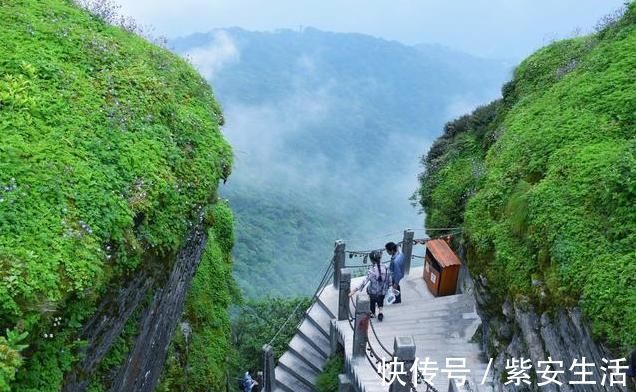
{"x":248,"y":384}
{"x":396,"y":268}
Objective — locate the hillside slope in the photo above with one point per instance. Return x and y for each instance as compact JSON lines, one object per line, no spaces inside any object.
{"x":544,"y":184}
{"x":109,"y":163}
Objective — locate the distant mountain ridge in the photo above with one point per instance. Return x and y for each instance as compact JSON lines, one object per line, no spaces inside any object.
{"x":391,"y":74}
{"x":339,"y":118}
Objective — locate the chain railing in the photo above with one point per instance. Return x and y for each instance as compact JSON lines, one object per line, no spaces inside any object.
{"x":422,"y":380}
{"x":372,"y":356}
{"x":351,"y":317}
{"x":375,"y":334}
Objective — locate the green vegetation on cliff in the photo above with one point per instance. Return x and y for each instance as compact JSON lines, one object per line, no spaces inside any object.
{"x":202,"y":348}
{"x":544,"y":181}
{"x":110,"y":149}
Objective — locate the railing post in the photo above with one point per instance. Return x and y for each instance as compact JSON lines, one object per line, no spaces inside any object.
{"x":343,"y":295}
{"x":404,"y":351}
{"x":333,"y":337}
{"x":344,"y":383}
{"x":361,"y":326}
{"x":338,"y":261}
{"x":407,"y":250}
{"x":269,"y":380}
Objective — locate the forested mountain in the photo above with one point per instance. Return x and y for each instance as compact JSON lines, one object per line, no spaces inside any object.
{"x":327,"y":128}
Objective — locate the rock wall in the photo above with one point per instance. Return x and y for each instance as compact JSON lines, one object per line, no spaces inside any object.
{"x":517,"y":330}
{"x":105,"y":327}
{"x":143,"y":366}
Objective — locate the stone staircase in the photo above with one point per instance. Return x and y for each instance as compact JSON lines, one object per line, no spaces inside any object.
{"x":441,"y":328}
{"x":309,"y":349}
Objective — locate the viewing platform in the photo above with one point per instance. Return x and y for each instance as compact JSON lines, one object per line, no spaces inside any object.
{"x":421,"y":326}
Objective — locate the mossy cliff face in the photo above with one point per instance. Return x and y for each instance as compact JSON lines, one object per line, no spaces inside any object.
{"x":110,"y":157}
{"x":543,"y":182}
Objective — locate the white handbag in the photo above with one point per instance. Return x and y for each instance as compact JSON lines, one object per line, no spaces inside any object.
{"x":390,"y":296}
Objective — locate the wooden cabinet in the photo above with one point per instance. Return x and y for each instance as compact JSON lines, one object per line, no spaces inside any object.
{"x":441,"y":268}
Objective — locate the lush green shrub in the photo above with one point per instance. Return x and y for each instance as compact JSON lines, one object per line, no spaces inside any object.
{"x":10,"y":358}
{"x":110,"y":145}
{"x":327,"y":381}
{"x":454,"y":166}
{"x":555,"y":200}
{"x":258,"y":322}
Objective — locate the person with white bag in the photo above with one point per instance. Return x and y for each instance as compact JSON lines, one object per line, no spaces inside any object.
{"x":378,"y":280}
{"x":396,"y":267}
{"x":391,"y":296}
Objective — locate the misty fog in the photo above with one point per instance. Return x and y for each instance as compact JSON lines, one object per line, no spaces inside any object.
{"x":328,"y":130}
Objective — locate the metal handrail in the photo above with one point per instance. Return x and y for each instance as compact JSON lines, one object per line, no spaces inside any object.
{"x":385,"y":263}
{"x":321,"y":286}
{"x":356,"y":265}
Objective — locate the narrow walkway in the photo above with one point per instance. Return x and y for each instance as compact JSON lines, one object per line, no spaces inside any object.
{"x":441,"y":327}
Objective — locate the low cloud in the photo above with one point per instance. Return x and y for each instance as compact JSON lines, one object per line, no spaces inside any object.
{"x":460,"y":106}
{"x":260,"y":134}
{"x":210,"y":59}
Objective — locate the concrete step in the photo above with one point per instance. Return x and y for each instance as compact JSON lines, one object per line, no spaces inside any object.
{"x":286,"y":382}
{"x":314,"y":338}
{"x":442,"y":328}
{"x":368,"y":378}
{"x":317,"y":325}
{"x":320,"y":318}
{"x":327,"y":308}
{"x":313,"y":357}
{"x":308,"y":350}
{"x":298,"y":368}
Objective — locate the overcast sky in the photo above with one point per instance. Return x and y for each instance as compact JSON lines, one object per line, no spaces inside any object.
{"x":489,"y":28}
